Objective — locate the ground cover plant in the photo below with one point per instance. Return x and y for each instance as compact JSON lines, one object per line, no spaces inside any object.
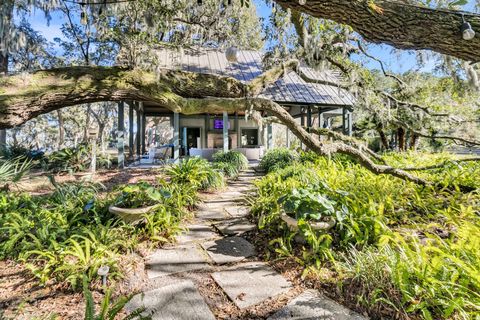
{"x":71,"y":233}
{"x":398,"y":250}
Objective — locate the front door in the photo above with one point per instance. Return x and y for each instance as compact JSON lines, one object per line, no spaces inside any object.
{"x":192,"y":139}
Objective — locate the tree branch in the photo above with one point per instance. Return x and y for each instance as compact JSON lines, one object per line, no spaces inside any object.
{"x":402,"y":25}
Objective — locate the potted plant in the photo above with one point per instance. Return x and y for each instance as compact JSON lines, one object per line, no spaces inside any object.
{"x":314,"y":208}
{"x":136,"y":200}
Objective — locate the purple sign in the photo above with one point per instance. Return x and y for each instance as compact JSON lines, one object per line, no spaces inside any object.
{"x":218,"y":124}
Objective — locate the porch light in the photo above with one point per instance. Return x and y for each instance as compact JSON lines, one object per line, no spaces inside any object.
{"x":467,"y":32}
{"x":231,"y":54}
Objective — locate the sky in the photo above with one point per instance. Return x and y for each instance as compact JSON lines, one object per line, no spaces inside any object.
{"x":397,"y":61}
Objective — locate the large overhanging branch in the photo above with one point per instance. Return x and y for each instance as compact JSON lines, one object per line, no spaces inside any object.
{"x":23,"y":97}
{"x":402,"y":25}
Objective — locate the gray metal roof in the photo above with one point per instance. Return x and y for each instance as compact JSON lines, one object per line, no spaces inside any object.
{"x":291,"y":88}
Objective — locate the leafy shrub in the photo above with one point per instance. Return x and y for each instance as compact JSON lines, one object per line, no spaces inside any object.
{"x":234,"y":157}
{"x":197,"y":172}
{"x":70,"y":233}
{"x":307,"y":204}
{"x":139,"y":195}
{"x":13,"y":170}
{"x":399,"y":249}
{"x":277,"y":159}
{"x":68,"y":159}
{"x":230,"y":170}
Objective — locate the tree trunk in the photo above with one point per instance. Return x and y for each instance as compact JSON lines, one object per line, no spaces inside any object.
{"x":61,"y":130}
{"x":401,"y":139}
{"x":383,"y":138}
{"x":400,"y":24}
{"x":413,"y":141}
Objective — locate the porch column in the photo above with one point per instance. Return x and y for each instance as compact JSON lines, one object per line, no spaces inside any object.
{"x":207,"y":127}
{"x":321,"y":119}
{"x":144,"y":122}
{"x":302,"y":123}
{"x":269,"y":136}
{"x":347,"y":121}
{"x":120,"y":136}
{"x":237,"y":130}
{"x":309,"y":116}
{"x":287,"y":132}
{"x":130,"y":130}
{"x":139,"y":130}
{"x":225,"y":131}
{"x":176,"y":137}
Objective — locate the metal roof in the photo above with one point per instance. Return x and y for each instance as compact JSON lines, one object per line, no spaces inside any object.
{"x":290,"y":89}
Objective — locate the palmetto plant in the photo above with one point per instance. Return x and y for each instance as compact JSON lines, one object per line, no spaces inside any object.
{"x":12,"y":171}
{"x":196,"y":172}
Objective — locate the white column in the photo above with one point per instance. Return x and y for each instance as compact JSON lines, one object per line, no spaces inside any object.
{"x":176,"y":137}
{"x":225,"y":131}
{"x":269,"y":136}
{"x":120,"y":136}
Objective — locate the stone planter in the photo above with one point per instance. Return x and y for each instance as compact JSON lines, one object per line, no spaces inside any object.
{"x":130,"y":215}
{"x":316,"y":225}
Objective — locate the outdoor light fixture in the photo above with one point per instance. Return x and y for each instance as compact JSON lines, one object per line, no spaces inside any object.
{"x":467,"y":32}
{"x":302,"y":2}
{"x":83,"y":16}
{"x":231,"y":54}
{"x":103,"y":272}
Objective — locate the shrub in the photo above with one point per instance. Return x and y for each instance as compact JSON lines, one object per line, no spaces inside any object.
{"x":141,"y":194}
{"x":230,"y":170}
{"x":197,"y":172}
{"x":277,"y":159}
{"x":398,"y":249}
{"x":234,"y":157}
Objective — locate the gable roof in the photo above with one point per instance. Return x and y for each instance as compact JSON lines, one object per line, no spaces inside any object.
{"x":290,"y":89}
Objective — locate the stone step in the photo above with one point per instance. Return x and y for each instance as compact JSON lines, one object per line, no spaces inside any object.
{"x":312,"y":305}
{"x":249,"y":284}
{"x":234,"y":227}
{"x":176,"y":301}
{"x":164,"y":262}
{"x":196,"y":233}
{"x":228,"y":250}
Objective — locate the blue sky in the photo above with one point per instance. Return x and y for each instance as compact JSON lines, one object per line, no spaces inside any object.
{"x":394,"y":60}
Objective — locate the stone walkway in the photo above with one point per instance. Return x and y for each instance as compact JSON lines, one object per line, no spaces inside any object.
{"x":213,"y":248}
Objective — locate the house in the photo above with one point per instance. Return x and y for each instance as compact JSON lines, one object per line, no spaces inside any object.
{"x":202,"y":135}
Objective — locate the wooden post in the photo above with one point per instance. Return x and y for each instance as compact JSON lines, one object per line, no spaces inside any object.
{"x":144,"y":122}
{"x":176,"y":137}
{"x":130,"y":130}
{"x":237,"y":130}
{"x":225,"y":132}
{"x":120,"y":136}
{"x":302,"y":123}
{"x":3,"y":138}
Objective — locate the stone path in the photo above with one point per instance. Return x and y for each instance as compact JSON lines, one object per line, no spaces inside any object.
{"x":214,"y":250}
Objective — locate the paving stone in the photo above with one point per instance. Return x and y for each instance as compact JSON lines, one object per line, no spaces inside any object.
{"x":195,"y":233}
{"x":232,"y":195}
{"x":175,"y":260}
{"x":234,"y":227}
{"x":230,"y":249}
{"x":178,"y":301}
{"x":251,"y":283}
{"x":237,"y":211}
{"x":312,"y":305}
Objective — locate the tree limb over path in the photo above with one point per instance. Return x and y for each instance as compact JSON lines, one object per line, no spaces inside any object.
{"x":399,"y":24}
{"x":24,"y":97}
